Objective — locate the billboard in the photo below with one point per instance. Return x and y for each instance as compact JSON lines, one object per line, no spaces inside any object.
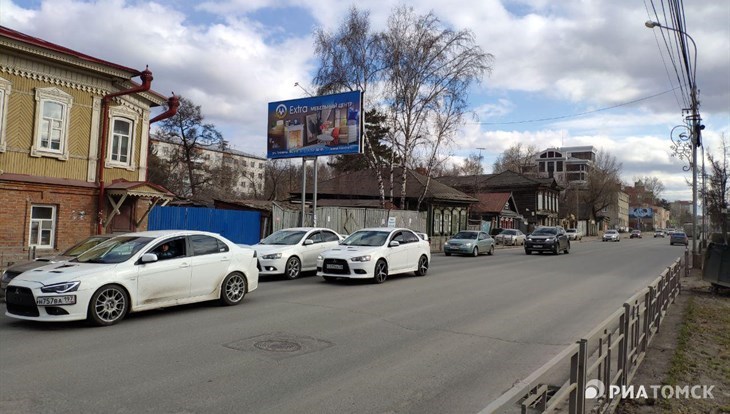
{"x":640,"y":212}
{"x":316,"y":126}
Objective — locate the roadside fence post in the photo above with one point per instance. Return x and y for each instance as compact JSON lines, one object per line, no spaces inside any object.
{"x":624,"y":349}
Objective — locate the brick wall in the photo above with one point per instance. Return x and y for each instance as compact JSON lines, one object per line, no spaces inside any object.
{"x":16,"y":199}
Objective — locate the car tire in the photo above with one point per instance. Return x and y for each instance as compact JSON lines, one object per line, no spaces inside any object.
{"x":567,"y":248}
{"x":422,"y":268}
{"x":233,"y":289}
{"x":293,"y":268}
{"x":475,"y":252}
{"x":380,"y":274}
{"x":490,"y":252}
{"x":556,"y":249}
{"x":447,"y":254}
{"x":108,"y":305}
{"x":528,"y":252}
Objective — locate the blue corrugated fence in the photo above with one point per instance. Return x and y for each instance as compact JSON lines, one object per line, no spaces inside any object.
{"x":238,"y":226}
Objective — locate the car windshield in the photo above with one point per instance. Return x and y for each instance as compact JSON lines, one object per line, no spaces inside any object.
{"x":611,"y":232}
{"x":545,"y":231}
{"x":571,"y":231}
{"x":466,"y":235}
{"x":83,"y":246}
{"x":678,"y":234}
{"x":284,"y":237}
{"x":509,"y":232}
{"x":115,"y":250}
{"x":366,"y":238}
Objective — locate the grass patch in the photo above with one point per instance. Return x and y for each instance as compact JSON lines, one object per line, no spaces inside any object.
{"x":680,"y":365}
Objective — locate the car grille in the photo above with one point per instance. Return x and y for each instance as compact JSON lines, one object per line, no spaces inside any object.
{"x":345,"y":268}
{"x":20,"y":301}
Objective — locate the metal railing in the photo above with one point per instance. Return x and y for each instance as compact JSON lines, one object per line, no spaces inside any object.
{"x":609,"y":356}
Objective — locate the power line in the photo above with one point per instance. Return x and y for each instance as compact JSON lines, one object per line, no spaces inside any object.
{"x":578,"y":114}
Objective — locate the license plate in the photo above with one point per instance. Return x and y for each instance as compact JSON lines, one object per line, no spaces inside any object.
{"x":55,"y":300}
{"x":335,"y":266}
{"x":537,"y":245}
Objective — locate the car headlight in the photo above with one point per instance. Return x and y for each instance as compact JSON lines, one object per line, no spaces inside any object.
{"x":64,"y":287}
{"x":467,"y":244}
{"x":550,"y":240}
{"x":271,"y":256}
{"x":365,"y":258}
{"x":320,"y":258}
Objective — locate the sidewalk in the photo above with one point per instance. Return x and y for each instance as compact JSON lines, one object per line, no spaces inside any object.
{"x":692,"y":348}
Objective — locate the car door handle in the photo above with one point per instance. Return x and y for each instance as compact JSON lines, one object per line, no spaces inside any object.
{"x":184,"y":265}
{"x":225,"y":259}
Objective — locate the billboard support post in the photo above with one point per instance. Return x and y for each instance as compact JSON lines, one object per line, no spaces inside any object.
{"x":304,"y":190}
{"x":314,"y":196}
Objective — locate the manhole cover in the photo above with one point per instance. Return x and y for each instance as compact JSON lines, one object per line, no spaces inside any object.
{"x":278,"y":346}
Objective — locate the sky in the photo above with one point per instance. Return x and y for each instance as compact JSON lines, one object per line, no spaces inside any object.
{"x":565,"y":73}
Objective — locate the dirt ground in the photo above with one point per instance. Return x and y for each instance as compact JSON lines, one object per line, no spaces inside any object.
{"x":692,"y":348}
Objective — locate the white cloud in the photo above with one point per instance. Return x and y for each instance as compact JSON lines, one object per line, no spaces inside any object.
{"x":579,"y":55}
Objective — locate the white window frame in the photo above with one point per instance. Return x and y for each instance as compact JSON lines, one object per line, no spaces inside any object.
{"x":55,"y":95}
{"x":115,"y":147}
{"x":123,"y":114}
{"x":52,"y":237}
{"x":5,"y":88}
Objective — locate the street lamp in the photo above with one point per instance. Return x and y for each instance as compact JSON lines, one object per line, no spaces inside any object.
{"x":694,"y":132}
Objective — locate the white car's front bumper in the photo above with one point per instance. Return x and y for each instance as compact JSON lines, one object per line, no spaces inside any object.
{"x":21,"y":297}
{"x":273,"y":266}
{"x":350,"y":269}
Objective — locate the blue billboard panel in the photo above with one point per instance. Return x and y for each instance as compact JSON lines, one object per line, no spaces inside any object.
{"x":316,"y":126}
{"x":641,"y":212}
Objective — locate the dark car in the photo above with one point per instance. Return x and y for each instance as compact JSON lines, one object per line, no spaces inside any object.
{"x":69,"y":254}
{"x":547,"y":239}
{"x":678,"y":237}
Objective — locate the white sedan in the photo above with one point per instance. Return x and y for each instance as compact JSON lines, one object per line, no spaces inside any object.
{"x":374,"y":254}
{"x":293,"y":251}
{"x":135,"y":272}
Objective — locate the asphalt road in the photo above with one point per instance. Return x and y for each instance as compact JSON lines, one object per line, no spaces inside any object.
{"x":450,"y":342}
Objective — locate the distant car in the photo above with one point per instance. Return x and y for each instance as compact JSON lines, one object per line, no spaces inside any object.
{"x":678,"y":237}
{"x":290,"y":252}
{"x":135,"y":272}
{"x":659,"y":233}
{"x":510,"y":237}
{"x":547,"y":239}
{"x":635,"y":234}
{"x":469,"y":242}
{"x":574,"y":234}
{"x":75,"y":250}
{"x":375,"y":253}
{"x":611,"y":235}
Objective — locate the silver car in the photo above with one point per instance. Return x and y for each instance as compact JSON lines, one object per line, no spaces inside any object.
{"x":470,"y":243}
{"x":510,"y":237}
{"x":611,"y":235}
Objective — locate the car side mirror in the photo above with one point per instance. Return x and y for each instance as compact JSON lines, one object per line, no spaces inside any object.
{"x":394,"y":243}
{"x":308,"y":242}
{"x":148,"y":258}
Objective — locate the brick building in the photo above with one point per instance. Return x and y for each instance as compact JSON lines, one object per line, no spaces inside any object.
{"x":59,"y":110}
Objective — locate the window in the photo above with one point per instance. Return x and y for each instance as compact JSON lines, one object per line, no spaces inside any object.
{"x":315,"y":237}
{"x":436,"y":222}
{"x":207,"y":245}
{"x":42,"y":226}
{"x":4,"y":94}
{"x":121,"y":139}
{"x":53,"y":109}
{"x":123,"y":123}
{"x":328,"y":236}
{"x":170,"y":249}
